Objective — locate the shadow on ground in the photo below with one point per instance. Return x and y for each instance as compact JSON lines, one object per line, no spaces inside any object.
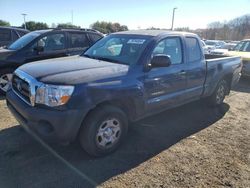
{"x":25,"y":163}
{"x":243,"y":85}
{"x":2,"y":97}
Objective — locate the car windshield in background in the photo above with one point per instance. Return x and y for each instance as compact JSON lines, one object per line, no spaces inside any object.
{"x":243,"y":46}
{"x":122,"y":49}
{"x":210,"y":43}
{"x":23,"y":41}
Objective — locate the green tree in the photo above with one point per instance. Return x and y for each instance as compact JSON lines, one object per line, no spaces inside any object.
{"x":108,"y":27}
{"x":32,"y":26}
{"x":4,"y":23}
{"x":67,"y":25}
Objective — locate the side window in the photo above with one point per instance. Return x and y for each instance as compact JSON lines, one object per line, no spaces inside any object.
{"x":52,"y":42}
{"x":94,"y":37}
{"x":5,"y":35}
{"x":171,"y":47}
{"x":78,"y":40}
{"x":14,"y":35}
{"x":246,"y":47}
{"x":21,"y":33}
{"x":193,"y":49}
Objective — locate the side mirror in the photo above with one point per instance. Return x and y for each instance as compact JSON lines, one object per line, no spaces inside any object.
{"x":160,"y":60}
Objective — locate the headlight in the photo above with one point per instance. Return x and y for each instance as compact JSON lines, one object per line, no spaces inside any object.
{"x":52,"y":95}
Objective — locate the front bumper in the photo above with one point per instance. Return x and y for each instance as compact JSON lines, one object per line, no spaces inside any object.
{"x":49,"y":124}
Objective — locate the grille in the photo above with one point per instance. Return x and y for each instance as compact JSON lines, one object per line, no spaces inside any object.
{"x":21,"y":87}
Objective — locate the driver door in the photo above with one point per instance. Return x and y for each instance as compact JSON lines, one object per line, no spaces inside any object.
{"x":165,"y":86}
{"x":52,"y":45}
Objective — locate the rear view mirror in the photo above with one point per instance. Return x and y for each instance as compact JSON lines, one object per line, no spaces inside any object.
{"x":160,"y":60}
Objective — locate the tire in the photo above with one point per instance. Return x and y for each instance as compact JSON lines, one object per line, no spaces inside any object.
{"x":5,"y":80}
{"x":103,"y":130}
{"x":219,"y":94}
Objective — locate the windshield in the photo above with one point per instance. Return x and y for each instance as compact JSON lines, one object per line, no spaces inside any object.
{"x":210,"y":43}
{"x":243,"y":46}
{"x":124,"y":49}
{"x":23,"y":41}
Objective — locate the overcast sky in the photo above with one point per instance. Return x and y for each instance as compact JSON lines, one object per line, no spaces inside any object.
{"x":133,"y":13}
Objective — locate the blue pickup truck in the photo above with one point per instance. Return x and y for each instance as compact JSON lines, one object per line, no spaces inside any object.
{"x":123,"y":77}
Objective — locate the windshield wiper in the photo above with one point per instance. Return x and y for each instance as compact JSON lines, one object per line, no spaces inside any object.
{"x":86,"y":55}
{"x":109,"y":60}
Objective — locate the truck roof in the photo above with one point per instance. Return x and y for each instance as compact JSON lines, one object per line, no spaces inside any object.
{"x":154,"y":32}
{"x":15,"y":28}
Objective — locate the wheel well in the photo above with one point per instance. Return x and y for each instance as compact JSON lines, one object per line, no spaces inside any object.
{"x":126,"y":105}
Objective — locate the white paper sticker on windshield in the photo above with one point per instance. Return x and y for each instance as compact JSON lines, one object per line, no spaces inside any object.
{"x":136,"y":41}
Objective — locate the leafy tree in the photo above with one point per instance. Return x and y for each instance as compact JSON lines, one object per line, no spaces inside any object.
{"x":4,"y":23}
{"x":32,"y":26}
{"x":67,"y":25}
{"x":108,"y":27}
{"x":235,"y":29}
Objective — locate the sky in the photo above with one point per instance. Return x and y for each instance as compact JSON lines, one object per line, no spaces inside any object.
{"x":133,"y":13}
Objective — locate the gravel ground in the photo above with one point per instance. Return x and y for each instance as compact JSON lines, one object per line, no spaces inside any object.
{"x":190,"y":146}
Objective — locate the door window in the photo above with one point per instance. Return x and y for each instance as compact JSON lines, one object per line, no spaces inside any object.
{"x":14,"y":35}
{"x":170,"y":47}
{"x":52,"y":42}
{"x":78,"y":40}
{"x":5,"y":35}
{"x":94,"y":37}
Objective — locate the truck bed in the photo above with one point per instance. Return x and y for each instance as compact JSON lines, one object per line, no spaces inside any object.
{"x":219,"y":66}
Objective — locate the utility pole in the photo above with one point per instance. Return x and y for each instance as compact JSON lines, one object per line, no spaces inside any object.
{"x":24,"y":15}
{"x":172,"y":27}
{"x":72,"y":17}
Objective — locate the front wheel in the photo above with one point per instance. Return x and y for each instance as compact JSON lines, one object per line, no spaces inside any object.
{"x":5,"y":80}
{"x":103,"y":130}
{"x":219,"y":94}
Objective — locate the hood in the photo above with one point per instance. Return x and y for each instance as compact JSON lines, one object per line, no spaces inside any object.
{"x":73,"y":70}
{"x":244,"y":55}
{"x":5,"y":53}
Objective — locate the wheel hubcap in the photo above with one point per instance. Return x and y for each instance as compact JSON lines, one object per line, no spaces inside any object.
{"x":108,"y":133}
{"x":5,"y":82}
{"x":220,"y":94}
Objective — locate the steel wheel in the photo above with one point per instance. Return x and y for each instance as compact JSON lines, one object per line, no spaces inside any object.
{"x":220,"y":95}
{"x":5,"y":82}
{"x":108,"y":133}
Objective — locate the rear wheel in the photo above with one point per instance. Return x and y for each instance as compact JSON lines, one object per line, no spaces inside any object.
{"x":5,"y":80}
{"x":103,"y":130}
{"x":219,"y":94}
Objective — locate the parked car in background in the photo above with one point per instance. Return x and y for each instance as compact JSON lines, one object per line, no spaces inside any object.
{"x":224,"y":50}
{"x":205,"y":48}
{"x":215,"y":44}
{"x":10,"y":34}
{"x":43,"y":44}
{"x":242,"y":49}
{"x":124,"y":77}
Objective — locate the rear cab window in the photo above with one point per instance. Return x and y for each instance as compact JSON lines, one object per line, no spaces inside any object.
{"x":193,"y":49}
